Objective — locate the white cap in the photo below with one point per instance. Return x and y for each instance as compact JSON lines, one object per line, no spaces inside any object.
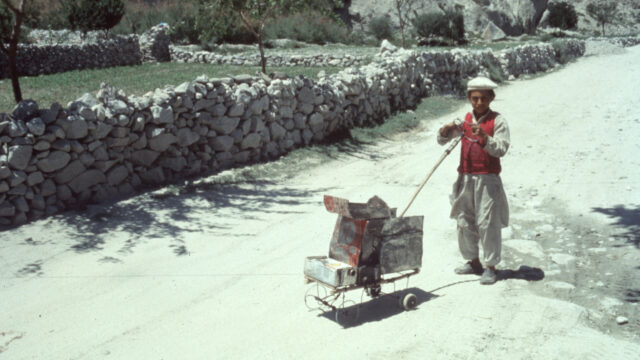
{"x":481,"y":83}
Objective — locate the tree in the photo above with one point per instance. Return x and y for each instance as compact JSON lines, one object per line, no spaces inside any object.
{"x":604,"y":12}
{"x":403,"y":7}
{"x":562,"y":15}
{"x":380,"y":27}
{"x":87,"y":15}
{"x":11,"y":18}
{"x":256,"y":13}
{"x":447,"y":24}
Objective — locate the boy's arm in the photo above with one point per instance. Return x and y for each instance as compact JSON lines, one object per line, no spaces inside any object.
{"x":498,"y":144}
{"x":448,"y":132}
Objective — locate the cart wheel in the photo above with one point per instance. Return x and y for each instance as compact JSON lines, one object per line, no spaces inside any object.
{"x":312,"y":296}
{"x":374,"y":291}
{"x":409,"y":301}
{"x":347,"y":314}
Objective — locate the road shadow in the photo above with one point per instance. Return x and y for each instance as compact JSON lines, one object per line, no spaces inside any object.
{"x":177,"y":210}
{"x":627,"y":218}
{"x":523,"y":273}
{"x":632,"y":296}
{"x":377,"y":309}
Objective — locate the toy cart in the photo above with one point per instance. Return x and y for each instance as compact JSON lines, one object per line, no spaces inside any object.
{"x":370,"y":246}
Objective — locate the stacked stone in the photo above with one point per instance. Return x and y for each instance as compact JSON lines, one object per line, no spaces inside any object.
{"x":36,"y":60}
{"x":109,"y":146}
{"x":206,"y":57}
{"x":154,"y":44}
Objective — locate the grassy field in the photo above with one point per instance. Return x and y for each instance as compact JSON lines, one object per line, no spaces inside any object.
{"x":65,"y":87}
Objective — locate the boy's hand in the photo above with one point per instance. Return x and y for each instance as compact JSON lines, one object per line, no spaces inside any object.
{"x":446,"y":130}
{"x":476,"y":130}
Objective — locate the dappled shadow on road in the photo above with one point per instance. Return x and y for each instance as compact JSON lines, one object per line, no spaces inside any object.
{"x":173,"y":211}
{"x":627,"y":218}
{"x":377,"y":309}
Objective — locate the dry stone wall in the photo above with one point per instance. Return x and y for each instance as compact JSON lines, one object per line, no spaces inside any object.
{"x":207,"y":57}
{"x":46,"y":58}
{"x":111,"y":145}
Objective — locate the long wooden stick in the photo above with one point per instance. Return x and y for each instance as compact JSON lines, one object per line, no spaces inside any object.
{"x":446,"y":152}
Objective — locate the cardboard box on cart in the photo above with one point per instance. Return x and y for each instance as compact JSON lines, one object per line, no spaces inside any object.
{"x":368,"y":241}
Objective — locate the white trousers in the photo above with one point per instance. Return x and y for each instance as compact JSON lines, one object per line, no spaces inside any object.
{"x":480,"y":207}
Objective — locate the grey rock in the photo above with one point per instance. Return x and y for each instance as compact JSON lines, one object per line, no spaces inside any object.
{"x":87,"y":159}
{"x":218,"y":110}
{"x":75,"y":127}
{"x":236,"y":110}
{"x":162,"y":141}
{"x":4,"y":187}
{"x":19,"y":156}
{"x":251,"y":141}
{"x":47,"y":188}
{"x":38,"y":202}
{"x":19,"y":190}
{"x":316,"y":122}
{"x":62,"y":145}
{"x":71,"y":171}
{"x":306,"y":95}
{"x":144,"y":157}
{"x":306,"y":108}
{"x":222,"y":143}
{"x":17,"y":128}
{"x":104,"y":166}
{"x":224,"y":125}
{"x":116,"y":175}
{"x":25,"y":110}
{"x":35,"y":178}
{"x":36,"y":126}
{"x":277,"y":131}
{"x":101,"y":131}
{"x":187,"y":137}
{"x":162,"y":114}
{"x":118,"y":107}
{"x":42,"y":145}
{"x":55,"y":161}
{"x":64,"y":193}
{"x":176,"y":164}
{"x":21,"y":204}
{"x":17,"y":178}
{"x":87,"y":180}
{"x":203,"y":104}
{"x":86,"y":113}
{"x":7,"y":210}
{"x":241,"y":157}
{"x":5,"y":172}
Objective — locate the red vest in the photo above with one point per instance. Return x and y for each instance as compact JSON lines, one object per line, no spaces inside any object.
{"x":474,"y":159}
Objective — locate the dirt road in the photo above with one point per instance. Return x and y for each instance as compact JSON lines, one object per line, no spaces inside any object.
{"x":214,"y":269}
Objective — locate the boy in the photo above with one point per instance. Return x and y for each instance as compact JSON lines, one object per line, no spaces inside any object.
{"x":478,"y":201}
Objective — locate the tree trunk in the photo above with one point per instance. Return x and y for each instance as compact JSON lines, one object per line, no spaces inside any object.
{"x":263,"y":60}
{"x":13,"y":71}
{"x":603,"y":34}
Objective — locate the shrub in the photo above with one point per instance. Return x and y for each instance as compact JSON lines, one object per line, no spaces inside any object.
{"x":561,"y":48}
{"x":311,"y":27}
{"x":562,"y":15}
{"x":380,"y":27}
{"x":87,"y":15}
{"x":449,"y":25}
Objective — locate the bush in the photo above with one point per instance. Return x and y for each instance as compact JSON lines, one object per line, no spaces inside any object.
{"x":87,"y":15}
{"x":380,"y":28}
{"x":562,"y":15}
{"x":561,"y":48}
{"x":310,"y":27}
{"x":448,"y":25}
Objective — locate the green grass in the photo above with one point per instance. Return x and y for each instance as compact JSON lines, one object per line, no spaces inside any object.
{"x":137,"y":80}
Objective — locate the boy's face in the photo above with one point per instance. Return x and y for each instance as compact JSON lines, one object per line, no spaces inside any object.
{"x":480,"y":100}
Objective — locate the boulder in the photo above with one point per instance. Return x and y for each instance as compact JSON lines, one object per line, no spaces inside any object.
{"x":162,"y":141}
{"x":144,"y":157}
{"x":116,"y":175}
{"x":224,"y":125}
{"x":493,"y":33}
{"x":86,"y":180}
{"x":186,"y":137}
{"x":19,"y":156}
{"x":55,"y":161}
{"x":36,"y":126}
{"x":222,"y":143}
{"x":71,"y":171}
{"x":162,"y":114}
{"x":25,"y":110}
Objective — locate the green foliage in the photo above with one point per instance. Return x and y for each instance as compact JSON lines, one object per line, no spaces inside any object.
{"x":604,"y":12}
{"x":380,"y":28}
{"x":310,"y":27}
{"x":562,"y":15}
{"x":448,"y":24}
{"x":87,"y":15}
{"x":6,"y":23}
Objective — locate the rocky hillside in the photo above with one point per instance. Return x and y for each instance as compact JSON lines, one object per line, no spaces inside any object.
{"x":514,"y":17}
